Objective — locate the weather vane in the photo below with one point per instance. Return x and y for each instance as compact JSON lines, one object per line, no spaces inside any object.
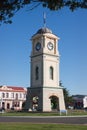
{"x":44,"y":19}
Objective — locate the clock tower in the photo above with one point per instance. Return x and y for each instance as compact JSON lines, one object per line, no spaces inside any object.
{"x":45,"y":94}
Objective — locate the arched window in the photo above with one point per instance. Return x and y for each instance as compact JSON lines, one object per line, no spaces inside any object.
{"x":51,"y":72}
{"x":37,"y":72}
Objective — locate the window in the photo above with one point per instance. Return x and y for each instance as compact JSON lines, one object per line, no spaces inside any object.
{"x":20,"y":95}
{"x":3,"y":95}
{"x":7,"y":95}
{"x":12,"y":95}
{"x":37,"y":73}
{"x":51,"y":72}
{"x":24,"y":96}
{"x":16,"y":96}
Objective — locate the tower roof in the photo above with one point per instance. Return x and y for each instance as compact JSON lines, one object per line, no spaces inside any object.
{"x":43,"y":30}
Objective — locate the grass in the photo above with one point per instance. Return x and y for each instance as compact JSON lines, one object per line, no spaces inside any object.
{"x":28,"y":126}
{"x":70,"y":113}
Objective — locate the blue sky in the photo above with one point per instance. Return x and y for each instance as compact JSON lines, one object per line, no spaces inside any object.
{"x":15,"y":47}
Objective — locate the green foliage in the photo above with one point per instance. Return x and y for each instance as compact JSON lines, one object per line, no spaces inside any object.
{"x":68,"y":99}
{"x":9,"y":7}
{"x":53,"y":102}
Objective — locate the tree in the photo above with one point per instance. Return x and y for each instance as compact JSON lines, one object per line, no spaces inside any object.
{"x":9,"y":7}
{"x":67,"y":98}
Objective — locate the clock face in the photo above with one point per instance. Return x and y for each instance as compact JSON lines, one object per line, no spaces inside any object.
{"x":50,"y":45}
{"x":38,"y":46}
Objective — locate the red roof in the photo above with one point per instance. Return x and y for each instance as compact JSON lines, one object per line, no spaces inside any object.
{"x":16,"y":88}
{"x":13,"y":88}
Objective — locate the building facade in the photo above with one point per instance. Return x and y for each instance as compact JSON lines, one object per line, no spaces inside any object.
{"x":80,"y":101}
{"x":12,"y":97}
{"x":44,"y":93}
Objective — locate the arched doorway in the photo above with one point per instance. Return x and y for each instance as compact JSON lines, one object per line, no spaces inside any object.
{"x":54,"y":103}
{"x":8,"y":106}
{"x":3,"y":105}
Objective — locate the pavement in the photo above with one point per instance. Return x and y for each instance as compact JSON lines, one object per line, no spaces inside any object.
{"x":46,"y":119}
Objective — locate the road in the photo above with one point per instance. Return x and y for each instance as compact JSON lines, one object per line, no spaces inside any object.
{"x":44,"y":119}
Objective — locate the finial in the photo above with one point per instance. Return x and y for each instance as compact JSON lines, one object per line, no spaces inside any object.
{"x":44,"y":19}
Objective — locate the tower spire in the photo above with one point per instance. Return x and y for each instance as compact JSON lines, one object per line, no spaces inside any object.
{"x":44,"y":19}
